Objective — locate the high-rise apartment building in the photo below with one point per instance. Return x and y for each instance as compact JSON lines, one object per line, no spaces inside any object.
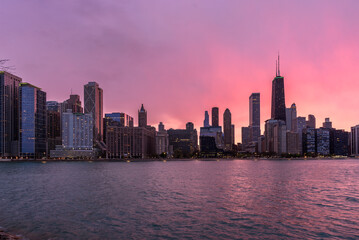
{"x":77,"y":136}
{"x":323,"y":141}
{"x":254,"y":117}
{"x":9,"y":114}
{"x":215,"y":117}
{"x":77,"y":131}
{"x":93,"y":96}
{"x":309,"y":140}
{"x":278,"y":99}
{"x":227,"y":129}
{"x":32,"y":121}
{"x":293,"y":146}
{"x":340,"y":142}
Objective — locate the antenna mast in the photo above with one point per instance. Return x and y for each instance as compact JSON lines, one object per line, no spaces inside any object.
{"x":278,"y":66}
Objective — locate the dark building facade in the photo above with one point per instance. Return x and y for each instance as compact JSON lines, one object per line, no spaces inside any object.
{"x":339,"y":142}
{"x":278,"y":98}
{"x":327,"y":123}
{"x":309,"y":141}
{"x":311,"y":121}
{"x":254,"y":117}
{"x":73,"y":103}
{"x":130,"y":142}
{"x":32,"y":121}
{"x":206,"y":119}
{"x":245,"y":137}
{"x":142,"y":117}
{"x":183,"y":142}
{"x":215,"y":117}
{"x":53,"y":125}
{"x":124,"y":119}
{"x":227,"y":129}
{"x":93,"y":96}
{"x":209,"y":147}
{"x":9,"y":114}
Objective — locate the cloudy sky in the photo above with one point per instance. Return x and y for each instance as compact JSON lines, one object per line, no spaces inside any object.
{"x":181,"y":58}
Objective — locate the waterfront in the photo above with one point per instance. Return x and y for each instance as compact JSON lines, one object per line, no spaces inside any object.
{"x":181,"y":199}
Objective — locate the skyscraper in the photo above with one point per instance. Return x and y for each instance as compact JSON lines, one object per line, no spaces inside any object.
{"x":161,"y":140}
{"x":354,"y":140}
{"x":254,"y":117}
{"x":93,"y":96}
{"x":245,"y":137}
{"x":142,"y":117}
{"x":53,"y":125}
{"x":291,"y":114}
{"x":278,"y":98}
{"x":227,"y":129}
{"x":275,"y":136}
{"x":327,"y":123}
{"x":9,"y":114}
{"x":298,"y":126}
{"x":323,"y":141}
{"x":76,"y":131}
{"x":311,"y":121}
{"x":73,"y":103}
{"x":77,"y":136}
{"x":340,"y":142}
{"x":215,"y":117}
{"x":32,"y":121}
{"x":233,"y":134}
{"x":206,"y":119}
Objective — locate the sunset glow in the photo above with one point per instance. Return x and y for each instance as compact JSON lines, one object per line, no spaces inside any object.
{"x":180,"y":58}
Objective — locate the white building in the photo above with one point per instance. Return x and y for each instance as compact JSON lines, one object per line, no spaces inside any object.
{"x":77,"y":131}
{"x":77,"y":136}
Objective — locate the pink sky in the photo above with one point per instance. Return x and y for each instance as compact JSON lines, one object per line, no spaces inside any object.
{"x":181,"y":58}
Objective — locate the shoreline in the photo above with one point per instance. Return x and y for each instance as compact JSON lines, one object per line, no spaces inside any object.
{"x":173,"y":159}
{"x":7,"y":236}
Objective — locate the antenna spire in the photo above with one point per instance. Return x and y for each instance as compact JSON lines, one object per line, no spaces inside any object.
{"x":276,"y":68}
{"x":278,"y":65}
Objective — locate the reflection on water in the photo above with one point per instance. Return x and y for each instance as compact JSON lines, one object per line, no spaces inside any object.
{"x":191,"y":199}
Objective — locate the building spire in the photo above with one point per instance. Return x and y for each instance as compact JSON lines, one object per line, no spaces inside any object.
{"x":276,"y":68}
{"x":278,"y":65}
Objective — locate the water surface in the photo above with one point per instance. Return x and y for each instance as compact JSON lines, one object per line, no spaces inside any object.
{"x":238,"y":199}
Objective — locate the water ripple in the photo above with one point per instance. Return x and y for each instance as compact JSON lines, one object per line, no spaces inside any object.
{"x":181,"y":200}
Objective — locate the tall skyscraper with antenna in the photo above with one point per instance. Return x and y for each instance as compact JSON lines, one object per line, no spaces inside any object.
{"x":278,"y":99}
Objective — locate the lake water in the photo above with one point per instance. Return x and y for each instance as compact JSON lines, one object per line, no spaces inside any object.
{"x":237,"y":199}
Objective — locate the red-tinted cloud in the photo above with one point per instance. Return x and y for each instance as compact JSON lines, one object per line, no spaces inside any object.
{"x":180,"y":58}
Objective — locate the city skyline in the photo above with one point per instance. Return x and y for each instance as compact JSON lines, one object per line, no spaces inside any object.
{"x":177,"y":78}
